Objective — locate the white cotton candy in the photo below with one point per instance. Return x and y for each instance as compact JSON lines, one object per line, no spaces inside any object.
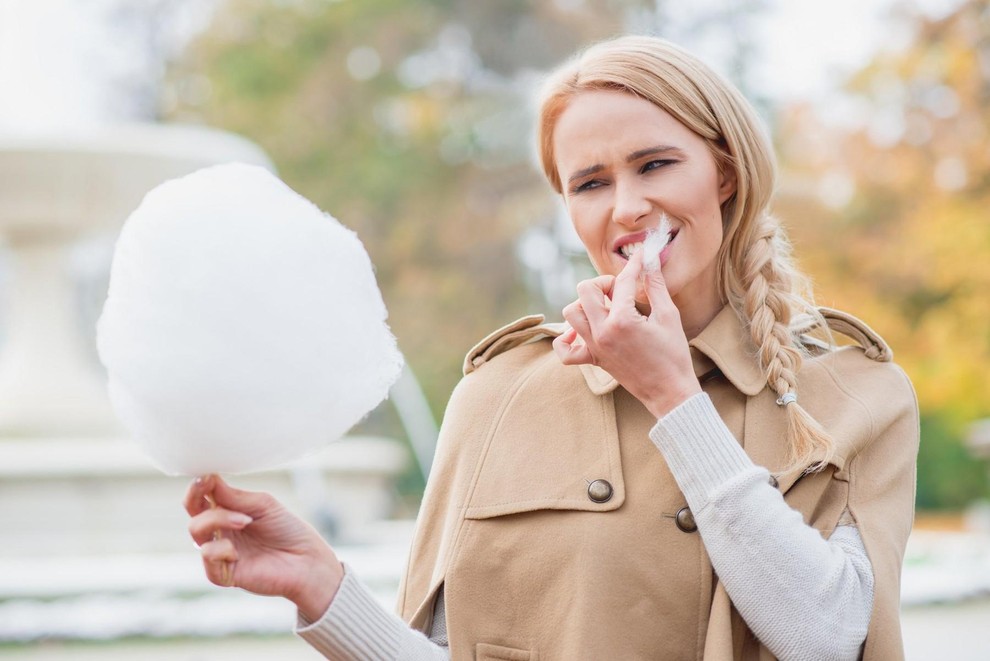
{"x":243,"y":327}
{"x":656,"y":240}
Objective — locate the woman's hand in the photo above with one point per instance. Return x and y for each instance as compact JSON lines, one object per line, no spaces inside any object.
{"x":648,"y":355}
{"x":266,"y":549}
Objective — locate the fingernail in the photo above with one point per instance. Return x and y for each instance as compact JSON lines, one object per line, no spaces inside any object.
{"x":239,"y":519}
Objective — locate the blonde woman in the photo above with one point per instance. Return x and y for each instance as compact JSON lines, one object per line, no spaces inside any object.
{"x":688,"y":468}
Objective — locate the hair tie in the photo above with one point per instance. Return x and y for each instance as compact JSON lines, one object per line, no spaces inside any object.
{"x":786,"y":398}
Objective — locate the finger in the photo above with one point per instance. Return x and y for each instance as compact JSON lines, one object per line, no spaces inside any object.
{"x":607,"y":284}
{"x":219,"y":561}
{"x":196,"y":499}
{"x":572,"y":353}
{"x":594,"y":301}
{"x":603,"y":282}
{"x":204,"y":525}
{"x":570,"y":340}
{"x":253,"y":503}
{"x":656,"y":291}
{"x":568,"y":336}
{"x":627,"y":282}
{"x":575,"y":315}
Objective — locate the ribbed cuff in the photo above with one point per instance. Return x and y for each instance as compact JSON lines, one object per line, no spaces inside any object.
{"x":700,"y":450}
{"x":355,"y":627}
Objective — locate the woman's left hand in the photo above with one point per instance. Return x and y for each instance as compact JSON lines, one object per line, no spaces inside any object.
{"x":648,"y":355}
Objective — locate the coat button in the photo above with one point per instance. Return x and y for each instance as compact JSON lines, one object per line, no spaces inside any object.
{"x":685,"y":520}
{"x":773,"y":482}
{"x":600,"y":491}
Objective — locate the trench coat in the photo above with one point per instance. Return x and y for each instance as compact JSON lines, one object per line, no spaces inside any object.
{"x":535,"y":566}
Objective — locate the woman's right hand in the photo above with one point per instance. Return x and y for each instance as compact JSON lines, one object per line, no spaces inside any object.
{"x":266,"y":549}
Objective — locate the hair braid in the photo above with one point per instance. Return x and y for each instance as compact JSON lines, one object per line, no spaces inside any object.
{"x":768,"y":302}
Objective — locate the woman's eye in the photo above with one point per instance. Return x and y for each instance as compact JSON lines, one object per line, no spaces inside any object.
{"x":653,"y":165}
{"x":588,"y":185}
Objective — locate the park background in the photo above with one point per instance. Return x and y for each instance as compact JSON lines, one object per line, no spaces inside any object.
{"x":411,"y":122}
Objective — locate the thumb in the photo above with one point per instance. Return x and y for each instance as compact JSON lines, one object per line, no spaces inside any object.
{"x":656,"y":288}
{"x":254,"y":503}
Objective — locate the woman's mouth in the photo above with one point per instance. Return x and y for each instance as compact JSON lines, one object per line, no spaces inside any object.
{"x":627,"y":250}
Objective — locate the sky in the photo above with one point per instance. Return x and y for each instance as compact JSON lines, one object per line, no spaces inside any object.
{"x":809,"y":47}
{"x":57,"y":58}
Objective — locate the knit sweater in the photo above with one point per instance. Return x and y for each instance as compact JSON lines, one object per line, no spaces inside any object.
{"x":804,"y":597}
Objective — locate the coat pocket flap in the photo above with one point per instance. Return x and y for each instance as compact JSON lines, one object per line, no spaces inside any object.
{"x":550,"y":455}
{"x":487,"y":652}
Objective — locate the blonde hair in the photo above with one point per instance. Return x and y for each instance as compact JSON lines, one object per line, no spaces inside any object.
{"x":755,"y":273}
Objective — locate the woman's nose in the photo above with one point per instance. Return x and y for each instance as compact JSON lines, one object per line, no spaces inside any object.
{"x":631,"y":205}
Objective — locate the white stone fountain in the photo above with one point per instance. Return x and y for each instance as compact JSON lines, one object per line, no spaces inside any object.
{"x":93,"y":540}
{"x":83,"y":511}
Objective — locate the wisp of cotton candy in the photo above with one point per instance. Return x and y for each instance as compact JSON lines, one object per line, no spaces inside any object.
{"x":243,"y":327}
{"x":656,"y":240}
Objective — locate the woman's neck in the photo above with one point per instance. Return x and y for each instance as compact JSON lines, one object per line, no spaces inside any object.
{"x":696,"y":314}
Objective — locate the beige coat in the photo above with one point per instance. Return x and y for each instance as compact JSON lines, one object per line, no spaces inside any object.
{"x":533,"y":569}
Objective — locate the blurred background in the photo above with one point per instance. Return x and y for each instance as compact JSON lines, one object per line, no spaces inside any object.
{"x":411,"y":122}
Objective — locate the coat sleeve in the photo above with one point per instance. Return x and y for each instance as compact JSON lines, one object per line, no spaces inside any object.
{"x":882,"y":477}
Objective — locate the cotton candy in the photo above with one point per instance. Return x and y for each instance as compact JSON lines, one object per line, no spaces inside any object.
{"x":243,"y":327}
{"x":656,"y":240}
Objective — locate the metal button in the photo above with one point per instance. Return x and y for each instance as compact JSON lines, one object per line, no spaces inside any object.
{"x":685,"y":520}
{"x":600,"y":491}
{"x":773,"y":482}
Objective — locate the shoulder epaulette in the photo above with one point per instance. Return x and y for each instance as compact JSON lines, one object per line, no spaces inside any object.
{"x":872,"y":344}
{"x":517,"y":333}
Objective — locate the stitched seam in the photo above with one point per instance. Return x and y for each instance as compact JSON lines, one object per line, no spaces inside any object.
{"x":703,"y":622}
{"x":608,"y":453}
{"x":511,"y":394}
{"x":829,"y":369}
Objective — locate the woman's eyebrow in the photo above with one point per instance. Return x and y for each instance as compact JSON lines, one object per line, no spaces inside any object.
{"x":652,"y":151}
{"x":584,"y":172}
{"x":635,"y":156}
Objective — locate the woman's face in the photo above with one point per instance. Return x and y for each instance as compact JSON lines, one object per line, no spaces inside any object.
{"x":623,"y":162}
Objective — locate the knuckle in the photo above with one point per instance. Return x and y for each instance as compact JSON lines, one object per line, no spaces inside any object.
{"x":267,"y":501}
{"x":585,"y":286}
{"x":196,"y":528}
{"x":214,"y":572}
{"x":607,"y":342}
{"x":623,"y":323}
{"x":192,"y":500}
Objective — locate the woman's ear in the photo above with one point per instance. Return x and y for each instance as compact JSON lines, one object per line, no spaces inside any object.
{"x":727,"y":183}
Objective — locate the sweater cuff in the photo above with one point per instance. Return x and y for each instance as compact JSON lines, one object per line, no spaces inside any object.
{"x":700,"y":450}
{"x":354,"y":627}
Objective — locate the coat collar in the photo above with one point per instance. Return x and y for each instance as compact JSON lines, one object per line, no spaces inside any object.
{"x":724,"y":343}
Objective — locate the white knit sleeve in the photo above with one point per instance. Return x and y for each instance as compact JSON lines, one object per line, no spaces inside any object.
{"x":803,"y":597}
{"x":357,"y":628}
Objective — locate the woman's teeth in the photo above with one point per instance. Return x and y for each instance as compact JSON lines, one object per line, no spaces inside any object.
{"x":630,"y":249}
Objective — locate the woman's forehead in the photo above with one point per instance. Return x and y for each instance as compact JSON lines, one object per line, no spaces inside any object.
{"x":601,"y":123}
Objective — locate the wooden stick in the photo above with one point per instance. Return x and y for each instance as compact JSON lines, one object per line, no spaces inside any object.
{"x":226,"y":576}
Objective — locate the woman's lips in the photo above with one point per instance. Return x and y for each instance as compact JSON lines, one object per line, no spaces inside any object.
{"x":630,"y":248}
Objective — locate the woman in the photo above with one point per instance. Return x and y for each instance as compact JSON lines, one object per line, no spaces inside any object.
{"x":753,"y":526}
